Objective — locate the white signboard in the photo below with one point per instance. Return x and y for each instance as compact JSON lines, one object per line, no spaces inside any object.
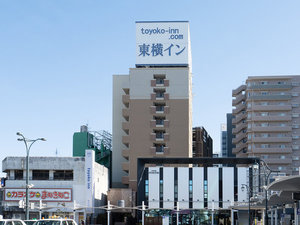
{"x":89,"y":179}
{"x":37,"y":194}
{"x":163,"y":43}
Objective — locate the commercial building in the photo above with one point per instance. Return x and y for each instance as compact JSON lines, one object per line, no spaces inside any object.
{"x":226,"y":137}
{"x":201,"y":194}
{"x":152,"y":105}
{"x":266,"y":121}
{"x":56,"y":185}
{"x":202,"y":143}
{"x":223,"y":152}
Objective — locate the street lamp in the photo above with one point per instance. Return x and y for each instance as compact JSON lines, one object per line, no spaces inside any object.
{"x":267,"y":175}
{"x":26,"y":142}
{"x":245,"y":186}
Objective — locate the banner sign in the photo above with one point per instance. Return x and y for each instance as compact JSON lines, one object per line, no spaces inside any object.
{"x":37,"y":194}
{"x":163,"y":43}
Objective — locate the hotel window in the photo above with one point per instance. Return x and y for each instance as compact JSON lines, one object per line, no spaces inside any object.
{"x":281,"y":146}
{"x":159,"y":78}
{"x":159,"y":148}
{"x":282,"y":157}
{"x":264,"y":82}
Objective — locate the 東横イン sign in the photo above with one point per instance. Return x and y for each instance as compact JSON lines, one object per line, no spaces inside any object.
{"x":163,"y":43}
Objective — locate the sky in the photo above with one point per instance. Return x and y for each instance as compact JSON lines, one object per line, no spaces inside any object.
{"x":57,"y":58}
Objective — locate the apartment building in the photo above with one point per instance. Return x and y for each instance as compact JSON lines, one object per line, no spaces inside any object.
{"x":266,"y":121}
{"x":152,"y":114}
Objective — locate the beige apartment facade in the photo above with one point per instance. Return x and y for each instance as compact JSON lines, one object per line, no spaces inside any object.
{"x":266,"y":121}
{"x":152,"y":117}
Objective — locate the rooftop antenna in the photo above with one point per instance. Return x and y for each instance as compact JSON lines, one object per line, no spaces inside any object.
{"x":56,"y":152}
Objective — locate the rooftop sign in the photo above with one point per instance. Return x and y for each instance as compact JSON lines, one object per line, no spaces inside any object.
{"x":163,"y":43}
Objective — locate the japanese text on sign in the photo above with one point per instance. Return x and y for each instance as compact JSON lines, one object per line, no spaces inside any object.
{"x":39,"y":194}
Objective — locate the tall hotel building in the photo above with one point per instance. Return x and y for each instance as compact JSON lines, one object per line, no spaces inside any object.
{"x":266,"y":121}
{"x":152,"y":106}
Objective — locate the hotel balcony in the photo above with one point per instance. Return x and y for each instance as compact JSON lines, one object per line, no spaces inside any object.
{"x":125,"y":166}
{"x":162,"y":97}
{"x":159,"y":109}
{"x":238,"y":90}
{"x":125,"y":99}
{"x":125,"y":153}
{"x":159,"y":124}
{"x":163,"y":151}
{"x":159,"y":137}
{"x":164,"y":83}
{"x":125,"y":113}
{"x":125,"y":140}
{"x":125,"y":126}
{"x":270,"y":108}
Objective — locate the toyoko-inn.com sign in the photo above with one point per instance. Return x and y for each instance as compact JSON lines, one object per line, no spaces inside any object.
{"x":36,"y":194}
{"x":163,"y":43}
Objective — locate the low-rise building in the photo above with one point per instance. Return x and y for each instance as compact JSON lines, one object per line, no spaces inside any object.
{"x":59,"y":186}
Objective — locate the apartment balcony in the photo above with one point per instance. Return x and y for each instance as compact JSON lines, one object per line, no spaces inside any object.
{"x":125,"y":166}
{"x":239,"y":127}
{"x":239,"y":117}
{"x":271,"y":150}
{"x":125,"y":153}
{"x":163,"y":83}
{"x":271,"y":139}
{"x":238,"y":90}
{"x":238,"y":99}
{"x":159,"y":124}
{"x":125,"y":113}
{"x":238,"y":138}
{"x":125,"y":140}
{"x":279,"y":161}
{"x":238,"y":108}
{"x":270,"y":108}
{"x":125,"y":126}
{"x":270,"y":87}
{"x":239,"y":147}
{"x":125,"y":99}
{"x":272,"y":118}
{"x":125,"y":180}
{"x":269,"y":97}
{"x":270,"y":129}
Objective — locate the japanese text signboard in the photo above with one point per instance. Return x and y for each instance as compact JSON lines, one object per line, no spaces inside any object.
{"x":163,"y":43}
{"x":36,"y":194}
